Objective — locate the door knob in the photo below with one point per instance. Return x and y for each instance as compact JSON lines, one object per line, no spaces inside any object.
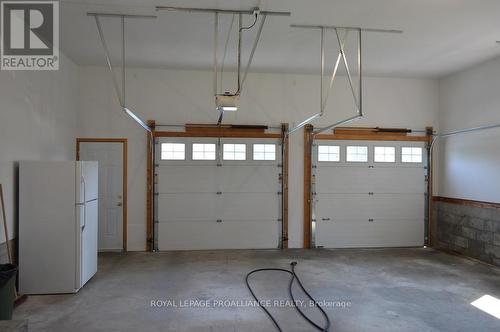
{"x":119,"y":204}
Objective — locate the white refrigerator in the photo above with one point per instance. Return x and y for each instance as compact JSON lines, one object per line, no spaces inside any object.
{"x":58,"y":214}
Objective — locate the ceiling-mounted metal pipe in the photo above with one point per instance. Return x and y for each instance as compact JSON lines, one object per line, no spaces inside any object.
{"x":240,"y":25}
{"x":136,"y":118}
{"x":221,"y":117}
{"x":108,"y":60}
{"x":121,"y":15}
{"x":221,"y":11}
{"x":216,"y":39}
{"x":333,"y":27}
{"x":334,"y":74}
{"x":332,"y":79}
{"x":461,"y":131}
{"x":349,"y":77}
{"x":360,"y":73}
{"x":123,"y":62}
{"x":303,"y":123}
{"x":322,"y":69}
{"x":357,"y":99}
{"x":120,"y":95}
{"x":468,"y":130}
{"x":337,"y":124}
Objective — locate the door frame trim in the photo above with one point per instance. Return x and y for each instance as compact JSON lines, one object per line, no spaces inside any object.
{"x":218,"y":131}
{"x":124,"y":142}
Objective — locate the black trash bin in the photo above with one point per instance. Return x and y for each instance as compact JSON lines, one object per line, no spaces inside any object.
{"x":7,"y":290}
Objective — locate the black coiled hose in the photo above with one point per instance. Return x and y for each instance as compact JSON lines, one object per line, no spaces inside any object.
{"x":294,"y":277}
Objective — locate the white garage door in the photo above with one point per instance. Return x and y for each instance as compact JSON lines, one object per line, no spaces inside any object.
{"x":217,"y":193}
{"x":368,"y":194}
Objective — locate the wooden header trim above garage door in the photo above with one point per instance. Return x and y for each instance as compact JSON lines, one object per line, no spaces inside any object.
{"x":239,"y":131}
{"x":467,"y":202}
{"x":374,"y":134}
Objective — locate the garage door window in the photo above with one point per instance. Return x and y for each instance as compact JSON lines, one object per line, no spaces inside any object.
{"x":328,"y":153}
{"x":234,"y":152}
{"x":173,"y":151}
{"x":203,"y":151}
{"x":411,"y":155}
{"x":385,"y":154}
{"x":264,"y":152}
{"x":357,"y":154}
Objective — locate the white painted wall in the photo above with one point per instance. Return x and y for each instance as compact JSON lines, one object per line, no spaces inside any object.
{"x":470,"y":163}
{"x":178,"y":97}
{"x":37,"y":122}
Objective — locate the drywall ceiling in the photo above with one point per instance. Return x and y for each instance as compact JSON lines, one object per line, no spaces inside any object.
{"x":440,"y":36}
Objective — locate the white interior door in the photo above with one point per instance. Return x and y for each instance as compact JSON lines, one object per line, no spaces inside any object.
{"x":217,"y":196}
{"x":110,"y":224}
{"x":368,"y":194}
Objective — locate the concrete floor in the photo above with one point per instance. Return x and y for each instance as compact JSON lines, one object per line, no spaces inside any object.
{"x":380,"y":289}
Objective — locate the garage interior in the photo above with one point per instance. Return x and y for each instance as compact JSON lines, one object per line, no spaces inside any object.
{"x":254,"y":166}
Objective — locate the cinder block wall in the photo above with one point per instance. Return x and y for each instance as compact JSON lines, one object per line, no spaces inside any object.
{"x":469,"y":230}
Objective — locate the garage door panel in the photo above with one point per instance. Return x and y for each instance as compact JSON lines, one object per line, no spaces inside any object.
{"x":217,"y":204}
{"x":398,"y":206}
{"x":186,"y":235}
{"x":389,"y":206}
{"x":342,"y":206}
{"x":186,"y":178}
{"x":244,"y":206}
{"x":364,"y":180}
{"x":235,"y":206}
{"x":248,"y":178}
{"x":379,"y":233}
{"x":191,"y":206}
{"x":368,"y":204}
{"x":235,"y":178}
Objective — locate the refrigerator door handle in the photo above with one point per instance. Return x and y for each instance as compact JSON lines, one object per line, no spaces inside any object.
{"x":84,"y":202}
{"x":84,"y":189}
{"x":84,"y":216}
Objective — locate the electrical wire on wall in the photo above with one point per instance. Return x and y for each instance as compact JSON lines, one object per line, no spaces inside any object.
{"x":293,"y":278}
